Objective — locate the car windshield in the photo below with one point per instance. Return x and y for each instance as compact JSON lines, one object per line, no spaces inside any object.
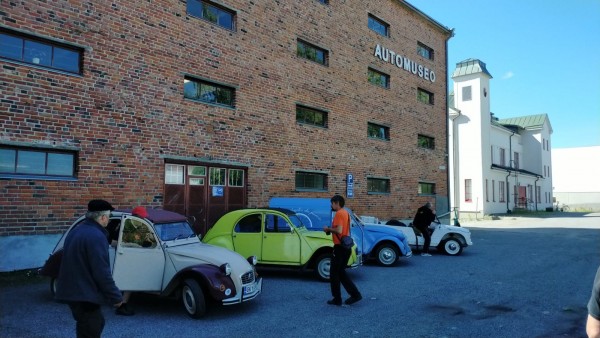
{"x":172,"y":231}
{"x":296,"y":221}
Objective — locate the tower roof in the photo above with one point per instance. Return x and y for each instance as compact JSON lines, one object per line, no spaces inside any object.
{"x":470,"y":66}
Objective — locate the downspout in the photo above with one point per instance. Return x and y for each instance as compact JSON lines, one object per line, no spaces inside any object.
{"x":449,"y":36}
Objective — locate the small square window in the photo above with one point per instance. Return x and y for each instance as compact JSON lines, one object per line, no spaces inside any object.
{"x":174,"y":174}
{"x":378,"y":185}
{"x":312,"y":53}
{"x":426,"y":188}
{"x":424,"y":96}
{"x":211,"y":12}
{"x":378,"y":131}
{"x":378,"y":78}
{"x":466,"y":93}
{"x":379,"y":26}
{"x":424,"y":51}
{"x":208,"y":92}
{"x":311,"y":116}
{"x":426,"y":142}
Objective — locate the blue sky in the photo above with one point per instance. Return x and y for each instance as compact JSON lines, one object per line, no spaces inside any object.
{"x":544,"y":57}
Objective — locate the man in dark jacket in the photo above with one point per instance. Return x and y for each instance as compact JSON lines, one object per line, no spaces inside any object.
{"x":425,"y":215}
{"x":85,"y":281}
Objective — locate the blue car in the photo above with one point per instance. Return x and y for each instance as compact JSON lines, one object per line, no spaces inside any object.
{"x":381,"y":243}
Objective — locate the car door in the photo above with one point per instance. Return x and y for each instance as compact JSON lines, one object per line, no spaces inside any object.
{"x":247,"y":237}
{"x":139,"y":259}
{"x":281,"y":243}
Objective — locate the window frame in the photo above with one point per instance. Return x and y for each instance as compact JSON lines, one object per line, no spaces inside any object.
{"x":430,"y":97}
{"x":54,"y":46}
{"x":424,"y":49}
{"x":48,"y":160}
{"x":380,"y":127}
{"x":429,"y":185}
{"x":217,"y":87}
{"x":309,"y":46}
{"x":385,"y":76}
{"x":468,"y":190}
{"x":305,"y":109}
{"x":386,"y":26}
{"x":218,"y":7}
{"x":467,"y":93}
{"x":385,"y":180}
{"x":501,"y":191}
{"x":425,"y":142}
{"x":324,"y":180}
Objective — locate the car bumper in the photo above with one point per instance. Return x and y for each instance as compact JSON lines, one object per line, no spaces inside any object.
{"x":249,"y":292}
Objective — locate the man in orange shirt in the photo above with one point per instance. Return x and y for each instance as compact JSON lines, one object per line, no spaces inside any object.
{"x":340,"y":227}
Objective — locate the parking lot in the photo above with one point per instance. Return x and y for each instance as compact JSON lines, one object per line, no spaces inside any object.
{"x":523,"y":277}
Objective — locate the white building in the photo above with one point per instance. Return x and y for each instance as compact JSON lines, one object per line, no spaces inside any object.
{"x":496,"y":165}
{"x":575,"y":177}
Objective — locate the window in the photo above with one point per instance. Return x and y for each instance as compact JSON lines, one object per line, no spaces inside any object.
{"x":137,"y":235}
{"x":311,"y":116}
{"x":311,"y":181}
{"x":516,"y":160}
{"x":40,"y":52}
{"x":377,"y":78}
{"x":426,"y":188}
{"x":217,"y":176}
{"x":466,"y":93}
{"x":174,"y":174}
{"x":210,"y":12}
{"x":487,"y":199}
{"x":37,"y":162}
{"x":208,"y":92}
{"x":194,"y":170}
{"x":249,"y":224}
{"x":501,"y":191}
{"x":236,"y":178}
{"x":276,"y":223}
{"x":424,"y":51}
{"x":468,"y":192}
{"x":493,"y":190}
{"x":378,"y":131}
{"x":378,"y":26}
{"x":312,"y":52}
{"x":324,"y":2}
{"x":502,"y":159}
{"x":378,"y":185}
{"x":426,"y":142}
{"x":424,"y":96}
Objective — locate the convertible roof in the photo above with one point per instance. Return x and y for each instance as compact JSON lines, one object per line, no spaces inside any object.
{"x":160,"y":215}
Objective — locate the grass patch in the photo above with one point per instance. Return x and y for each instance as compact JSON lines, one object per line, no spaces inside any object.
{"x":21,"y":277}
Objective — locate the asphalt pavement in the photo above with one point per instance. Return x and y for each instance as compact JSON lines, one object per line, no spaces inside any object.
{"x":523,"y":277}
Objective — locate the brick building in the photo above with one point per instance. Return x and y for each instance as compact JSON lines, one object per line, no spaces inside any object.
{"x":203,"y":107}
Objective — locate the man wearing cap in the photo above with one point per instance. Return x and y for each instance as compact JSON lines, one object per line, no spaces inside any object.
{"x":423,"y":218}
{"x":85,"y":281}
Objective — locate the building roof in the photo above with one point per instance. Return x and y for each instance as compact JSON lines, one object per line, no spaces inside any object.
{"x":449,"y":32}
{"x":526,"y":122}
{"x":470,"y":66}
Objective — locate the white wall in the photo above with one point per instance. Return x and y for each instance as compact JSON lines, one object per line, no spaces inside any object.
{"x":576,"y":169}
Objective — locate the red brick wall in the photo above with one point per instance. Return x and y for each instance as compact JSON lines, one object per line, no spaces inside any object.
{"x":127,"y":111}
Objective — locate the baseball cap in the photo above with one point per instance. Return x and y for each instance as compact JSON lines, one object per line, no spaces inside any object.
{"x":99,"y":205}
{"x":139,"y":211}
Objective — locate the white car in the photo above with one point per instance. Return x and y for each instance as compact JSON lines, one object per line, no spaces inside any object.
{"x":161,"y":254}
{"x":450,"y":239}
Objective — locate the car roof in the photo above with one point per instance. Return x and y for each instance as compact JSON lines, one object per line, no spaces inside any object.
{"x":159,"y":215}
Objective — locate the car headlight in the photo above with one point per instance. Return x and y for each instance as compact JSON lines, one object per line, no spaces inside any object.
{"x":252,"y":260}
{"x":226,"y":269}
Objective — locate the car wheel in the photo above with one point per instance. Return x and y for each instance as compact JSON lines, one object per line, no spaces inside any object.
{"x":53,"y":286}
{"x":386,"y":255}
{"x":193,"y":298}
{"x":323,"y":267}
{"x":452,"y":247}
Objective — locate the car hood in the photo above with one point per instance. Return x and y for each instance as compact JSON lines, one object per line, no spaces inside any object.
{"x":382,"y":229}
{"x":453,"y":228}
{"x":184,"y":256}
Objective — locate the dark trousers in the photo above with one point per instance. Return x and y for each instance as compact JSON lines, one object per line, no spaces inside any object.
{"x":338,"y":274}
{"x":89,"y":319}
{"x":427,"y":237}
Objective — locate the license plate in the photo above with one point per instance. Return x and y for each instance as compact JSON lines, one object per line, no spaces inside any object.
{"x":248,"y":289}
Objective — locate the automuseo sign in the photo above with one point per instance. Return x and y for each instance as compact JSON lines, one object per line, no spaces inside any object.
{"x":405,"y":63}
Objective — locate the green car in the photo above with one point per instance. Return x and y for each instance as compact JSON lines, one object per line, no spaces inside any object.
{"x":277,"y":238}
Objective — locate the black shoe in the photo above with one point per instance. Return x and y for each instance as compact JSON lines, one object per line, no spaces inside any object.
{"x":353,"y":300}
{"x":124,"y":310}
{"x":334,"y":301}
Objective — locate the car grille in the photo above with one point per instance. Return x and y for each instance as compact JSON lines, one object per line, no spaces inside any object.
{"x":248,"y":277}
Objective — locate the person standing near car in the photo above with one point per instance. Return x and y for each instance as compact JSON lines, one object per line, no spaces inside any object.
{"x":423,"y":218}
{"x":592,"y":327}
{"x":340,"y":226}
{"x":85,"y":280}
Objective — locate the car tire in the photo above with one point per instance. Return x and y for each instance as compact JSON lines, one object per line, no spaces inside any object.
{"x":323,"y":267}
{"x":452,"y":247}
{"x":193,"y":298}
{"x":53,"y":286}
{"x":387,"y":254}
